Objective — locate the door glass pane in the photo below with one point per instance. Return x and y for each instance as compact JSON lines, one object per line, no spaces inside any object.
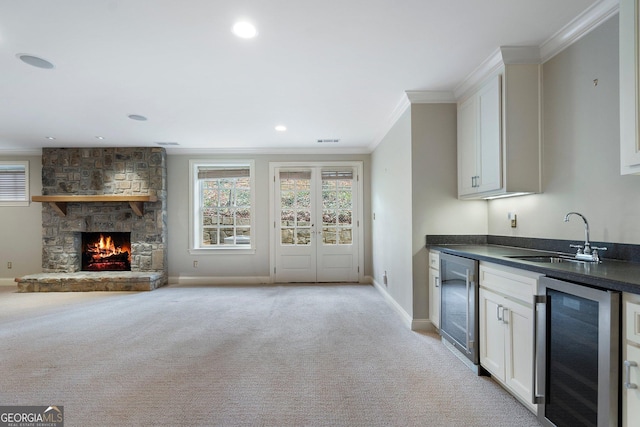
{"x":303,"y":236}
{"x":337,"y":207}
{"x":345,"y":237}
{"x":572,"y":376}
{"x":295,"y":204}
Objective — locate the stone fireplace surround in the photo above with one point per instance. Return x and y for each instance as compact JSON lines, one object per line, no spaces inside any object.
{"x":122,"y":171}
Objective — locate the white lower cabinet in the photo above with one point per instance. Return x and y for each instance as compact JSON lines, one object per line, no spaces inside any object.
{"x":434,"y":288}
{"x":631,"y":361}
{"x":506,"y":328}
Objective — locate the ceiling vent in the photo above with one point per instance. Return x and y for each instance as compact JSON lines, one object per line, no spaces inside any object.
{"x":327,"y":141}
{"x":167,"y":143}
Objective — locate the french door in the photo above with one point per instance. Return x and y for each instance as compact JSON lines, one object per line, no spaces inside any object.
{"x":316,"y":223}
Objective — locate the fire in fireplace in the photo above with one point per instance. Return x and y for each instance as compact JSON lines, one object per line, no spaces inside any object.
{"x":106,"y":251}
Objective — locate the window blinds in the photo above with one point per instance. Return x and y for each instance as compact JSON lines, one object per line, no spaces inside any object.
{"x":217,"y":173}
{"x":326,"y":175}
{"x":13,"y":183}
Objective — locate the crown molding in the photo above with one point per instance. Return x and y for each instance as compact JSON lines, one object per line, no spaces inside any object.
{"x":268,"y":151}
{"x":430,"y":97}
{"x":520,"y":54}
{"x":569,"y":34}
{"x":582,"y":25}
{"x":397,"y":112}
{"x":492,"y":65}
{"x":21,"y":152}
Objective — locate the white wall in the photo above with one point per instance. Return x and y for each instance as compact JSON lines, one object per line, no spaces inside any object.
{"x":435,"y":205}
{"x":242,"y":267}
{"x":581,"y":151}
{"x":414,"y":193}
{"x":391,"y":204}
{"x":21,"y":229}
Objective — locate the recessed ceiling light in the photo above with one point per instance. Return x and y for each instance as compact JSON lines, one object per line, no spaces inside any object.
{"x":137,"y":117}
{"x":34,"y":61}
{"x":244,"y":30}
{"x":101,"y":138}
{"x":167,"y":143}
{"x":281,"y":128}
{"x":50,"y":138}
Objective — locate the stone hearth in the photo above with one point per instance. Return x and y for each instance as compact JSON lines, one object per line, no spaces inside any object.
{"x":90,"y":281}
{"x":138,"y":171}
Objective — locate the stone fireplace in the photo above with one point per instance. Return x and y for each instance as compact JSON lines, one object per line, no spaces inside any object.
{"x":105,"y":182}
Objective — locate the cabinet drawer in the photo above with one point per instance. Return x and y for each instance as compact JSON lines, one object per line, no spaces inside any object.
{"x":632,"y":322}
{"x":511,"y":282}
{"x":434,"y":260}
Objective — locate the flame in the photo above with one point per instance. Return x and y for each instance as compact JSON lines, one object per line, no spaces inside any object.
{"x":104,"y":248}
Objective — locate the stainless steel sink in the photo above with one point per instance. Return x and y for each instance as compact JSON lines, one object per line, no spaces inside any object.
{"x":549,"y":259}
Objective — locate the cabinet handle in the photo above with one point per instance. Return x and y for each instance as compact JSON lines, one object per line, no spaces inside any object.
{"x":500,"y":313}
{"x":505,"y":311}
{"x":437,"y":282}
{"x":627,"y":374}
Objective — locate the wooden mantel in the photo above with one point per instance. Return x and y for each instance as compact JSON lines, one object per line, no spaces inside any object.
{"x":59,"y":203}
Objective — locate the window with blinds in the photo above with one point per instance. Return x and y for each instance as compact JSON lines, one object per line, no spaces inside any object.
{"x":14,"y":183}
{"x":223,"y":216}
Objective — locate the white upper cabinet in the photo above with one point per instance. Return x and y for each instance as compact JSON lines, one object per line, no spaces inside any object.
{"x":479,"y":137}
{"x":629,"y":87}
{"x":499,"y":132}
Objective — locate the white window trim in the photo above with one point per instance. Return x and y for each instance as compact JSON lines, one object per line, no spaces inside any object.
{"x":195,"y":228}
{"x":27,"y":193}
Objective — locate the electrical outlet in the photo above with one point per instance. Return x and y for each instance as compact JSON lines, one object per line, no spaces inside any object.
{"x":9,"y":265}
{"x":195,"y":264}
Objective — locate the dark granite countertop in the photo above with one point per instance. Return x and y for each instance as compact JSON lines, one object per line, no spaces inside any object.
{"x":609,"y":274}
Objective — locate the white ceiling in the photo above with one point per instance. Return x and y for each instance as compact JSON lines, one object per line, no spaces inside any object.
{"x":325,"y":69}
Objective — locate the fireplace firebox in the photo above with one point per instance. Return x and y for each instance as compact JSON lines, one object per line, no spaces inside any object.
{"x":106,"y":251}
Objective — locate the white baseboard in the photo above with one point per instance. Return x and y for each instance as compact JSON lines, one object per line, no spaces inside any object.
{"x":219,"y":280}
{"x":8,"y":281}
{"x":394,"y":304}
{"x":413,"y":324}
{"x":423,"y":325}
{"x":232,"y":280}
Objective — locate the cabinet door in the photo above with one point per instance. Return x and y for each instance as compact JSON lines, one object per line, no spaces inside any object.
{"x":434,"y":297}
{"x":492,"y":333}
{"x":490,"y":136}
{"x":519,"y":350}
{"x":631,"y":403}
{"x":629,"y":87}
{"x":467,"y":136}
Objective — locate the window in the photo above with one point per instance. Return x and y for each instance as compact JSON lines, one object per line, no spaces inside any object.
{"x":14,"y":183}
{"x":222,"y":205}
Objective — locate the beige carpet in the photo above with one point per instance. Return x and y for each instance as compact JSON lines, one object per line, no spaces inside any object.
{"x":332,"y":355}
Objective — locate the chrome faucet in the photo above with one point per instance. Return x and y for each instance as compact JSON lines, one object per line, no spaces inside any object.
{"x":586,"y":253}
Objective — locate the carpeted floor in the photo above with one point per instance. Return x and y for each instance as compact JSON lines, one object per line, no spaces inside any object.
{"x":334,"y":355}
